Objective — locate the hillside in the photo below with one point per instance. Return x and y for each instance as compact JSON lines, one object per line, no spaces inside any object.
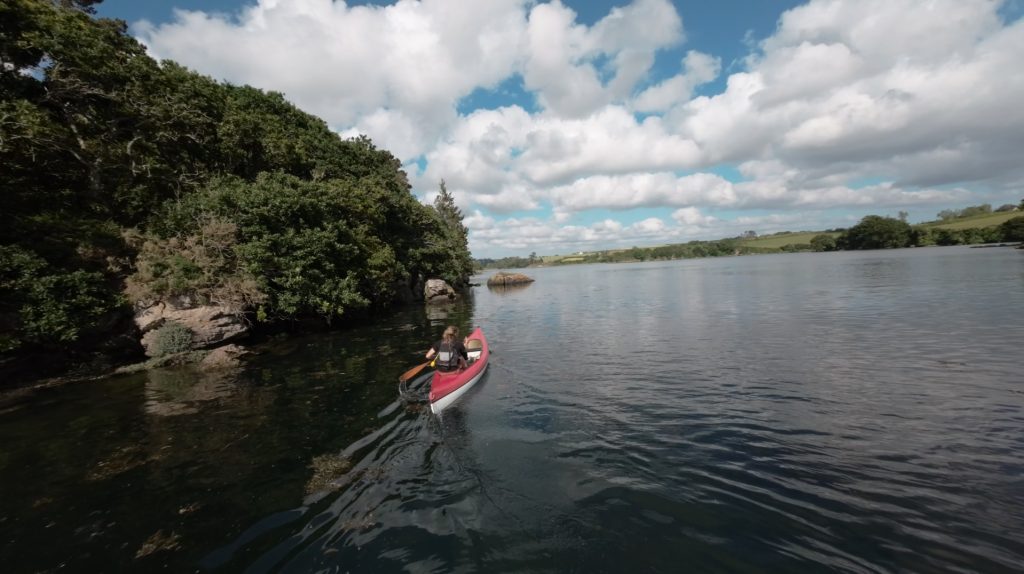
{"x":782,"y":239}
{"x":975,"y":222}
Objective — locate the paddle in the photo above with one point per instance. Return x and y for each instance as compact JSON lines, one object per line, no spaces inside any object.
{"x":412,"y":372}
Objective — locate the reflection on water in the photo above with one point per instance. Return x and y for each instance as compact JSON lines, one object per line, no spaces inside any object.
{"x":813,"y":412}
{"x":508,"y":289}
{"x":171,"y":392}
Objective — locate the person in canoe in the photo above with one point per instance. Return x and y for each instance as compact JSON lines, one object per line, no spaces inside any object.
{"x":450,"y":351}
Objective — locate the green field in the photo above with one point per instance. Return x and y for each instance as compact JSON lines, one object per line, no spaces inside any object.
{"x":777,"y":241}
{"x":987,"y":220}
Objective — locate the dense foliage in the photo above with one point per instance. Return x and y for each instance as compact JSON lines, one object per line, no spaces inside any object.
{"x":451,"y":237}
{"x":823,"y":242}
{"x":876,"y":232}
{"x":128,"y":180}
{"x":1013,"y":229}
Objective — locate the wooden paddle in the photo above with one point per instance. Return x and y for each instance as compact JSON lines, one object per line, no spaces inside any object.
{"x":412,"y":372}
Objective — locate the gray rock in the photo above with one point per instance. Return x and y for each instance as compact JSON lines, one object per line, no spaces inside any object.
{"x":437,"y":291}
{"x":503,"y":279}
{"x":211,"y":325}
{"x":223,"y":357}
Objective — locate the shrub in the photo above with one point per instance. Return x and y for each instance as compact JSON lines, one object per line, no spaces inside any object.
{"x":1013,"y":229}
{"x":43,"y":304}
{"x":203,"y":264}
{"x":876,"y":232}
{"x":170,"y":339}
{"x":823,"y":242}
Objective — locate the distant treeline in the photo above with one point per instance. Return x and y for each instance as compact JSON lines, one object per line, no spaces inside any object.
{"x":873,"y":232}
{"x":676,"y":251}
{"x":877,"y":232}
{"x":126,"y":180}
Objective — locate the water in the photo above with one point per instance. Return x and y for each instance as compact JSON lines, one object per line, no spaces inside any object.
{"x":857,"y":412}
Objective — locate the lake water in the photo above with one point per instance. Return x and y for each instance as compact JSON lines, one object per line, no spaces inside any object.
{"x":856,"y":412}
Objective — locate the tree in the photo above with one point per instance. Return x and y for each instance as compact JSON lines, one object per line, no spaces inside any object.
{"x":876,"y":232}
{"x":1013,"y":229}
{"x":903,"y":216}
{"x":450,"y":240}
{"x":227,"y":193}
{"x":823,"y":242}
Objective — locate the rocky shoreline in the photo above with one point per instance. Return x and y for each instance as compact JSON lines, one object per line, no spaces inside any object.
{"x":173,"y":332}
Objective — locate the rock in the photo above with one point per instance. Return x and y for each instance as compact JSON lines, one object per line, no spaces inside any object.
{"x":437,"y":291}
{"x":223,"y":357}
{"x":503,"y":279}
{"x":211,"y":325}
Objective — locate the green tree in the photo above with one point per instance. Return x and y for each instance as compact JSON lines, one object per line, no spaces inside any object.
{"x":448,"y":241}
{"x":1013,"y":229}
{"x":225,"y":192}
{"x":876,"y":232}
{"x":823,"y":242}
{"x":921,"y":236}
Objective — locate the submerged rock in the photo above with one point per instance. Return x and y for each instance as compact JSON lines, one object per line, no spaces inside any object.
{"x":503,"y":279}
{"x":223,"y":357}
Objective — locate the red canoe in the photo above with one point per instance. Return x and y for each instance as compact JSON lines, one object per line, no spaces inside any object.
{"x":446,"y":388}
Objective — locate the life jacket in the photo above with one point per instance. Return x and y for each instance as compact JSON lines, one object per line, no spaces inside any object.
{"x":447,"y":357}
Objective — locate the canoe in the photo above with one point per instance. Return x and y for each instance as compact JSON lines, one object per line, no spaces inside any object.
{"x":446,"y":388}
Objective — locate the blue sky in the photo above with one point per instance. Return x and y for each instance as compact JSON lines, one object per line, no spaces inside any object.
{"x":565,"y":126}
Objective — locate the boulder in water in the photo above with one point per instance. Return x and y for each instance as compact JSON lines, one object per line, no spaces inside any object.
{"x":437,"y":291}
{"x":503,"y":279}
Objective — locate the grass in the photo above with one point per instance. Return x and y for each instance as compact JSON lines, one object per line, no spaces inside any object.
{"x":777,"y":241}
{"x":987,"y":220}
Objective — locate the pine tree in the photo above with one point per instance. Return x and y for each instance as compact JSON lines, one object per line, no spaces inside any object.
{"x":454,"y":239}
{"x":450,"y":213}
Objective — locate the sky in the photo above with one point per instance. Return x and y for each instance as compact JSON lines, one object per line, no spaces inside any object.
{"x":586,"y":125}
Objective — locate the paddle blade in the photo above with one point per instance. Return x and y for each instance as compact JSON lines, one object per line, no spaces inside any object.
{"x":412,"y":372}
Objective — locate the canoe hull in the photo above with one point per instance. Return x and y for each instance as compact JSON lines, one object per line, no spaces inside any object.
{"x":447,"y":388}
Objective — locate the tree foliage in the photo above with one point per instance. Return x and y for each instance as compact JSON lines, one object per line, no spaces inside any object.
{"x":876,"y":232}
{"x":447,"y":249}
{"x":823,"y":242}
{"x":1012,"y":229}
{"x":119,"y":170}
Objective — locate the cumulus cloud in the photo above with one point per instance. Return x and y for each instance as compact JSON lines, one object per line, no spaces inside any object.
{"x":698,"y":68}
{"x":874,"y":87}
{"x":857,"y":105}
{"x":372,"y":68}
{"x":562,"y":58}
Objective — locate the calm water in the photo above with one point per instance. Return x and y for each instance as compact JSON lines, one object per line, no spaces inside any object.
{"x":859,"y":412}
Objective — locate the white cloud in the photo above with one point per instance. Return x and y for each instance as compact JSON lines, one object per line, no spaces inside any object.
{"x":363,"y":67}
{"x":878,"y":88}
{"x":643,"y":190}
{"x":848,"y":104}
{"x":562,"y":57}
{"x":698,"y":68}
{"x":692,"y":216}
